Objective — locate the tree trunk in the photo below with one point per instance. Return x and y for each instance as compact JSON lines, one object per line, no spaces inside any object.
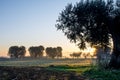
{"x":115,"y":32}
{"x":115,"y":57}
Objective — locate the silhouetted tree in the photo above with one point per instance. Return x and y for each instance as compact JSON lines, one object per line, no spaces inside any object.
{"x":21,"y":51}
{"x":86,"y":55}
{"x":94,"y":22}
{"x":36,"y":51}
{"x":76,"y":55}
{"x":17,"y":52}
{"x":41,"y":51}
{"x":13,"y":50}
{"x":59,"y":52}
{"x":54,"y":52}
{"x":71,"y":55}
{"x":49,"y":52}
{"x":31,"y":51}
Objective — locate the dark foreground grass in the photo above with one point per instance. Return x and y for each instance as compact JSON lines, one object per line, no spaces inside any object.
{"x":38,"y":73}
{"x":101,"y":74}
{"x":58,"y":72}
{"x":90,"y":72}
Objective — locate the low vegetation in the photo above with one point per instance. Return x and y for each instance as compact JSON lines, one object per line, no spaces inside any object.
{"x":35,"y":73}
{"x":98,"y":74}
{"x":43,"y":69}
{"x":43,"y":62}
{"x":54,"y":69}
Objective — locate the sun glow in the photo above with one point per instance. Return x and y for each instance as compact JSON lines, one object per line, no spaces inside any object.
{"x":90,"y":50}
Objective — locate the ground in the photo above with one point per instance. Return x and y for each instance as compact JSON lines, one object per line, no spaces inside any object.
{"x":54,"y":69}
{"x":43,"y":69}
{"x":36,"y":73}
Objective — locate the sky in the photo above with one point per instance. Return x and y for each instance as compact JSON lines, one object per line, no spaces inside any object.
{"x":32,"y":23}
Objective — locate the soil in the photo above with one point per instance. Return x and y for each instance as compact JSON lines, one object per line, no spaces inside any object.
{"x":36,"y":73}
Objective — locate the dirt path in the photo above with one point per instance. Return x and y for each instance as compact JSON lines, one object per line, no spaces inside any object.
{"x":36,"y":73}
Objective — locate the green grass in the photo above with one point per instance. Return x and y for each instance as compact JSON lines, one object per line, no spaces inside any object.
{"x":97,"y":74}
{"x":68,"y":68}
{"x":91,"y":72}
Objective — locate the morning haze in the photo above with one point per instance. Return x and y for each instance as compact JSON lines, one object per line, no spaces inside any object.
{"x":36,"y":35}
{"x":32,"y":23}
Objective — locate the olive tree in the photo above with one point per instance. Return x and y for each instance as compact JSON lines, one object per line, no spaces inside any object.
{"x":94,"y":22}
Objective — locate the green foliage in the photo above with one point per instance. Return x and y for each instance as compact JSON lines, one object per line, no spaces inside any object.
{"x":98,"y":74}
{"x":69,"y":68}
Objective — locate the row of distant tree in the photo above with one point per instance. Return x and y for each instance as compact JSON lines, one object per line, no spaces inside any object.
{"x":85,"y":55}
{"x":76,"y":55}
{"x":35,"y":51}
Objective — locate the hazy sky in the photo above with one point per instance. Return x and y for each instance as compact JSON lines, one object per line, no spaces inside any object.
{"x":32,"y":23}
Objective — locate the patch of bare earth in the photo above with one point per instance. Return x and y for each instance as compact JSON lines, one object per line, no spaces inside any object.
{"x":36,"y":73}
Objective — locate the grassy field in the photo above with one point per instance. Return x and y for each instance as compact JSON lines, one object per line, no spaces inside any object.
{"x":54,"y":69}
{"x":82,"y":68}
{"x":44,"y":62}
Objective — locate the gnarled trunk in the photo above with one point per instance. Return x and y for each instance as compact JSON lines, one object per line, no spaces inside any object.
{"x":114,"y":25}
{"x":115,"y":57}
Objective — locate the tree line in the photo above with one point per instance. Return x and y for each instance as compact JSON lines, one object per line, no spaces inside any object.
{"x":75,"y":55}
{"x":83,"y":54}
{"x":35,"y":51}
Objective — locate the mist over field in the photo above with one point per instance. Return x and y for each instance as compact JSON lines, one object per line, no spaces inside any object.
{"x":59,"y":39}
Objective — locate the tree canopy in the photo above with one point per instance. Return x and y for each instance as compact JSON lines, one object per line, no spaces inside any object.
{"x":54,"y":52}
{"x":36,"y":51}
{"x":94,"y":22}
{"x":17,"y":52}
{"x":86,"y":22}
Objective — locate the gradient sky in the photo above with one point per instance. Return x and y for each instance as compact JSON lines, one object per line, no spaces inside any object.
{"x":32,"y":23}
